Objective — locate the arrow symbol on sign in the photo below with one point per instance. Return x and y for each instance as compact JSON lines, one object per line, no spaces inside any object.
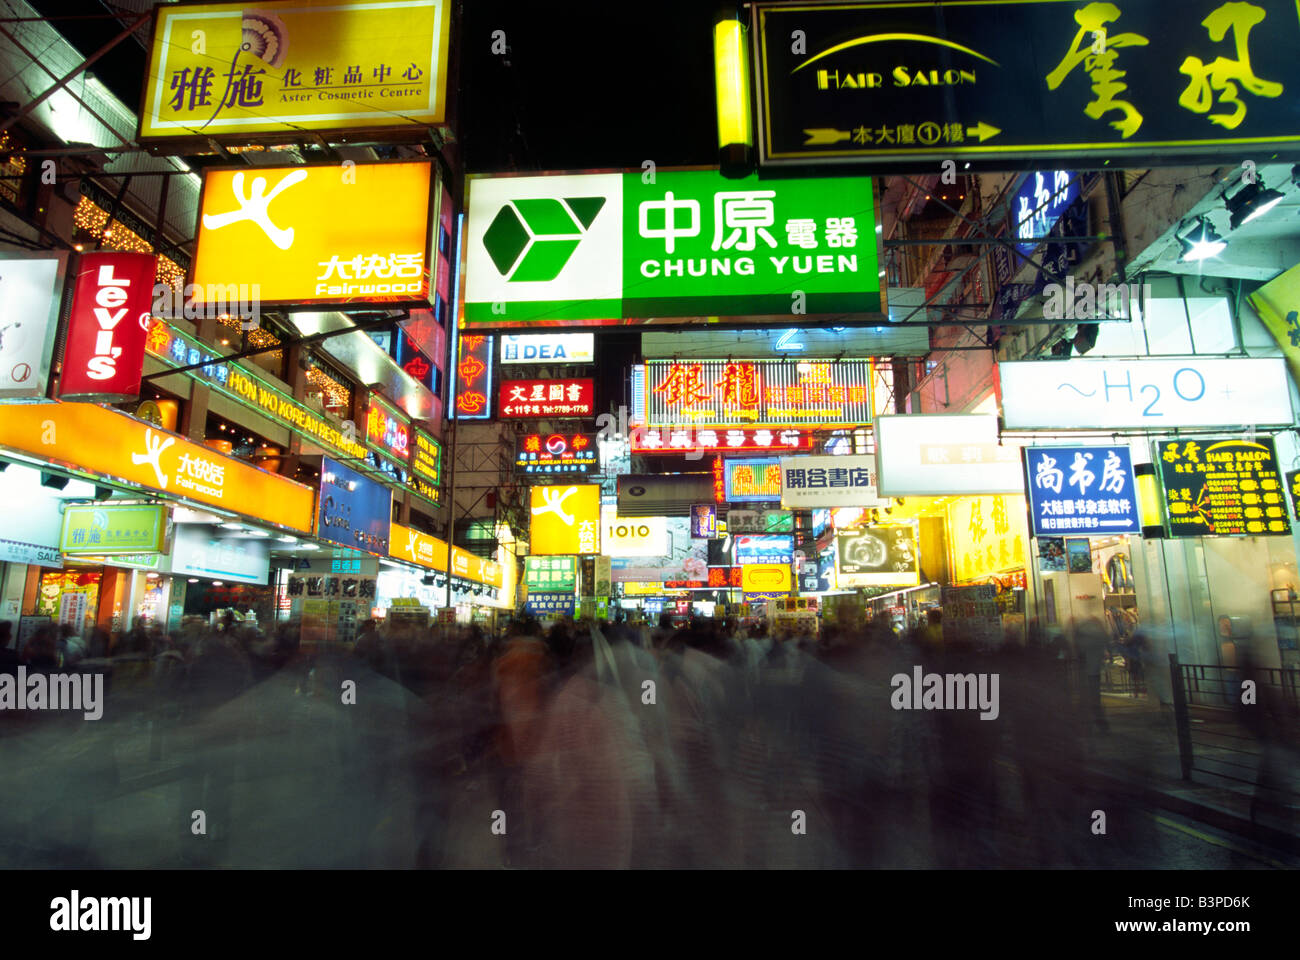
{"x":983,"y":131}
{"x":821,"y":135}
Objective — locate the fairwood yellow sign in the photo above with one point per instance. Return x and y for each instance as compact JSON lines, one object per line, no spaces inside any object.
{"x":217,"y":70}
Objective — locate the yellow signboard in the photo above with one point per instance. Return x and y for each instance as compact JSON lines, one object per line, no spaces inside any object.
{"x":766,"y":578}
{"x":1278,"y":305}
{"x":987,"y":535}
{"x":95,"y":439}
{"x":226,"y":70}
{"x":409,"y":544}
{"x":565,"y":519}
{"x":320,"y":234}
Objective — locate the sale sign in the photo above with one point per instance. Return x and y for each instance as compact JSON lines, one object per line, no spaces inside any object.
{"x":110,"y":319}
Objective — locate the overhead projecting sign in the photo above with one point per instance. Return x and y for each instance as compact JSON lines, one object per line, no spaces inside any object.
{"x":1024,"y":78}
{"x":608,"y":249}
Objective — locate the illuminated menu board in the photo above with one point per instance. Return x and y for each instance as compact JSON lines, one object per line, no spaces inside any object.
{"x":1222,"y":487}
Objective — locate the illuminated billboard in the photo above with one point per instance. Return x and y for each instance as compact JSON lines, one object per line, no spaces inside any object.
{"x":557,"y":453}
{"x":688,"y":246}
{"x":226,"y":70}
{"x":758,"y":393}
{"x":320,"y":234}
{"x":756,"y":480}
{"x":546,"y":398}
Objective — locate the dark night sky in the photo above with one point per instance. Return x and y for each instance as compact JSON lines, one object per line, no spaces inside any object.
{"x":584,"y":84}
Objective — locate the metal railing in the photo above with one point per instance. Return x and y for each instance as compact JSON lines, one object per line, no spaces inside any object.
{"x":1224,"y":732}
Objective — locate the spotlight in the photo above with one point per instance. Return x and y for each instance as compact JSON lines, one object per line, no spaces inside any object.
{"x":1199,"y":241}
{"x":53,"y":481}
{"x":1295,"y":175}
{"x":427,"y":581}
{"x":103,"y":493}
{"x":1251,"y":202}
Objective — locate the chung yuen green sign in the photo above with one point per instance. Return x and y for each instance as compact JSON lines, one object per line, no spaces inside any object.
{"x":614,"y":248}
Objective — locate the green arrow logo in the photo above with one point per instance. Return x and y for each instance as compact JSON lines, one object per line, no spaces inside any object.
{"x":532,"y":240}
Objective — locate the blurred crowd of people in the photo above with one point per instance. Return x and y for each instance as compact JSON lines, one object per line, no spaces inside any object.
{"x":705,"y":743}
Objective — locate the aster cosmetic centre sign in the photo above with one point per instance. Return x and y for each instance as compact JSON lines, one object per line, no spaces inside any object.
{"x":679,"y":247}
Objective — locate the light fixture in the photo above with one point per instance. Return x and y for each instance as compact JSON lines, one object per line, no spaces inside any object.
{"x":1250,"y":203}
{"x":232,"y":526}
{"x":287,"y":539}
{"x":1149,"y":506}
{"x":731,"y":87}
{"x":1199,"y":241}
{"x":53,"y":481}
{"x":193,"y":580}
{"x":1295,"y":175}
{"x":218,"y":583}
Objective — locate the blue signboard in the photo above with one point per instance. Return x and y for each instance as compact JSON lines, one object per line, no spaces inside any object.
{"x":1042,"y":198}
{"x":353,"y":511}
{"x":550,"y":604}
{"x":763,"y":548}
{"x":704,"y":520}
{"x":1087,"y":490}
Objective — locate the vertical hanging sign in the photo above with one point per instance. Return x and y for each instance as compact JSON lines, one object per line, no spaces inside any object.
{"x":110,"y":319}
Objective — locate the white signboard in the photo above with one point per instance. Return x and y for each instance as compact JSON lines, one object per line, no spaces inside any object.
{"x":198,"y":552}
{"x":30,"y":535}
{"x":943,"y":454}
{"x":1144,"y":393}
{"x":549,"y":348}
{"x":30,"y":291}
{"x":829,"y":482}
{"x":632,"y":536}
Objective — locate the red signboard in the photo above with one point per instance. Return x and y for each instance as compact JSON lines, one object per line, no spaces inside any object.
{"x":665,"y":440}
{"x":719,"y":481}
{"x":110,"y":319}
{"x":473,"y":378}
{"x":725,"y":577}
{"x":546,"y":398}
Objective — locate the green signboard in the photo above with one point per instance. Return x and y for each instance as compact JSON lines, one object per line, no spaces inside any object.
{"x":107,"y":529}
{"x":1222,"y":487}
{"x":895,"y":83}
{"x":668,"y":246}
{"x":551,"y":574}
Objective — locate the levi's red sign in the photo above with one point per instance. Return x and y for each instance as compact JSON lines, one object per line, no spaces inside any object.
{"x":110,"y":320}
{"x":546,"y":398}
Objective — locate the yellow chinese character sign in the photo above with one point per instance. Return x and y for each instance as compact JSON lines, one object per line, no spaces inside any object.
{"x":565,"y":519}
{"x":1024,"y":78}
{"x":228,"y":70}
{"x":318,"y":234}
